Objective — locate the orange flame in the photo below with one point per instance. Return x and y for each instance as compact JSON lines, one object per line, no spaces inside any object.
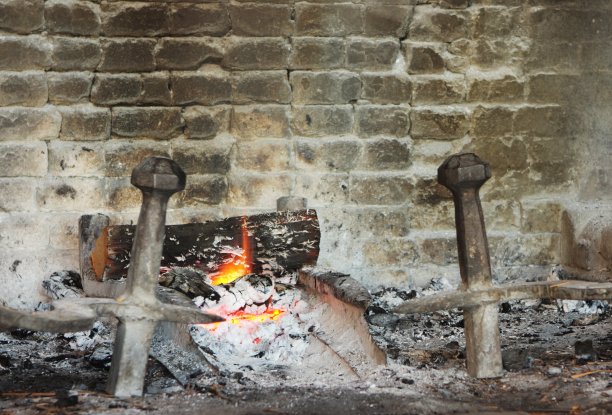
{"x":236,"y":266}
{"x":240,"y":317}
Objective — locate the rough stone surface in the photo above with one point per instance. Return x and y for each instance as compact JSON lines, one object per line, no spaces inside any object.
{"x":325,"y":87}
{"x":25,"y":89}
{"x":148,"y":122}
{"x":387,"y":21}
{"x":128,"y":55}
{"x":187,"y":54}
{"x":72,"y":17}
{"x":261,"y":20}
{"x":317,"y":53}
{"x":85,"y":123}
{"x":263,"y":155}
{"x":269,"y":86}
{"x":69,"y":87}
{"x":109,"y":89}
{"x":322,"y":120}
{"x":329,"y":19}
{"x":75,"y":54}
{"x":29,"y":123}
{"x":339,"y":156}
{"x":372,"y":54}
{"x":34,"y":52}
{"x":386,"y":120}
{"x":269,"y":53}
{"x":75,"y":159}
{"x":21,"y":16}
{"x":200,"y":88}
{"x":211,"y":157}
{"x":204,"y":122}
{"x":122,"y":157}
{"x":439,"y":125}
{"x":268,"y":121}
{"x":386,"y":89}
{"x":23,"y":159}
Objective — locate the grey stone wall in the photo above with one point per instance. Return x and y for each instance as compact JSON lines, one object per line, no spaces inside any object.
{"x":352,"y":104}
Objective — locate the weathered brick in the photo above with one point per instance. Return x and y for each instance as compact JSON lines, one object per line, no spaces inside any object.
{"x":506,"y":89}
{"x":551,"y":159}
{"x":203,"y":190}
{"x":337,"y":155}
{"x":128,"y":55}
{"x":428,"y":192}
{"x":386,"y":89}
{"x":70,"y":193}
{"x":75,"y":54}
{"x":498,"y":22}
{"x":121,"y":196}
{"x":72,"y":17}
{"x":504,"y":156}
{"x":433,"y":217}
{"x":371,"y":54}
{"x":439,"y":125}
{"x":438,"y":251}
{"x":122,"y":156}
{"x":199,"y":19}
{"x":380,"y":190}
{"x":20,"y":231}
{"x":146,"y":122}
{"x":458,"y":4}
{"x":69,"y":87}
{"x":329,"y":19}
{"x":322,"y":120}
{"x":34,"y":53}
{"x":200,"y":88}
{"x":135,"y":19}
{"x":431,"y":24}
{"x":492,"y":122}
{"x":109,"y":89}
{"x":390,"y":251}
{"x":323,"y":188}
{"x":386,"y":155}
{"x":325,"y":87}
{"x":156,"y":89}
{"x":502,"y":215}
{"x":257,"y":54}
{"x":23,"y":88}
{"x":29,"y":123}
{"x":369,"y":223}
{"x":205,"y":122}
{"x":258,"y":190}
{"x":20,"y":193}
{"x":269,"y":121}
{"x":263,"y":155}
{"x":261,"y":20}
{"x":269,"y":86}
{"x":21,"y":16}
{"x":382,"y":120}
{"x":549,"y":121}
{"x":210,"y":157}
{"x":317,"y":53}
{"x":555,"y":24}
{"x":185,"y":54}
{"x":387,"y":21}
{"x":491,"y":54}
{"x":423,"y":59}
{"x":541,"y":216}
{"x":75,"y":159}
{"x":438,"y":91}
{"x":23,"y":159}
{"x":85,"y":123}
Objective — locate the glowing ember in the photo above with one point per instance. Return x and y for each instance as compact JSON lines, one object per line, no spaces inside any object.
{"x":236,"y":266}
{"x":240,"y":317}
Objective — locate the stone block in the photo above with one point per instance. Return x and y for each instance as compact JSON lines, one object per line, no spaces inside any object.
{"x":187,"y":53}
{"x":423,"y":59}
{"x":199,"y":19}
{"x":329,"y":19}
{"x":266,"y":121}
{"x":253,"y":19}
{"x":390,"y":251}
{"x":438,"y":251}
{"x":75,"y":54}
{"x":498,"y":22}
{"x":322,"y":189}
{"x":64,"y":230}
{"x":459,"y":4}
{"x":121,"y":196}
{"x":70,"y":194}
{"x":205,"y":122}
{"x":156,"y":89}
{"x":200,"y":88}
{"x":263,"y":155}
{"x":317,"y":53}
{"x":386,"y":89}
{"x":85,"y":123}
{"x":122,"y":156}
{"x":69,"y":87}
{"x":209,"y":157}
{"x":258,"y":190}
{"x":552,"y":88}
{"x":322,"y":120}
{"x":550,"y":121}
{"x":438,"y":91}
{"x":135,"y":19}
{"x":147,"y":122}
{"x":491,"y":54}
{"x":372,"y":223}
{"x":507,"y":89}
{"x":21,"y":16}
{"x":380,"y":189}
{"x":387,"y":21}
{"x":18,"y":194}
{"x":23,"y":159}
{"x":325,"y":87}
{"x":504,"y":156}
{"x":428,"y":192}
{"x":20,"y":231}
{"x":71,"y":17}
{"x":503,"y":216}
{"x":259,"y":87}
{"x":430,"y":24}
{"x":335,"y":155}
{"x":440,"y":217}
{"x":553,"y":57}
{"x":113,"y":89}
{"x":29,"y":123}
{"x":382,"y":120}
{"x":541,"y":216}
{"x":254,"y":54}
{"x":74,"y":159}
{"x":495,"y":122}
{"x":439,"y":125}
{"x":372,"y":54}
{"x":24,"y":53}
{"x":203,"y":190}
{"x":557,"y":24}
{"x":550,"y":167}
{"x":128,"y":55}
{"x":28,"y":89}
{"x":386,"y":154}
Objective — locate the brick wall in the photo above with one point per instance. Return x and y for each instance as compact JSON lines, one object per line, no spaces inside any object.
{"x":352,"y":104}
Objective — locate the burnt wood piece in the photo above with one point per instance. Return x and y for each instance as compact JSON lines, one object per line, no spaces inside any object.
{"x":278,"y":241}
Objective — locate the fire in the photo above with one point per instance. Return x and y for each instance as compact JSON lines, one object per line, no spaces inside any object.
{"x":241,"y":317}
{"x":236,"y":266}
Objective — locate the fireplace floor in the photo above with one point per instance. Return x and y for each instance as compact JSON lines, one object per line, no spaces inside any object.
{"x":42,"y":373}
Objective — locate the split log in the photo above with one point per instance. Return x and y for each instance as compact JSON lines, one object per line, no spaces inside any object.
{"x":284,"y":241}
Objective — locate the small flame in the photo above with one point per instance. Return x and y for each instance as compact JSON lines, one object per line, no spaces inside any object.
{"x":236,"y":266}
{"x":241,"y":317}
